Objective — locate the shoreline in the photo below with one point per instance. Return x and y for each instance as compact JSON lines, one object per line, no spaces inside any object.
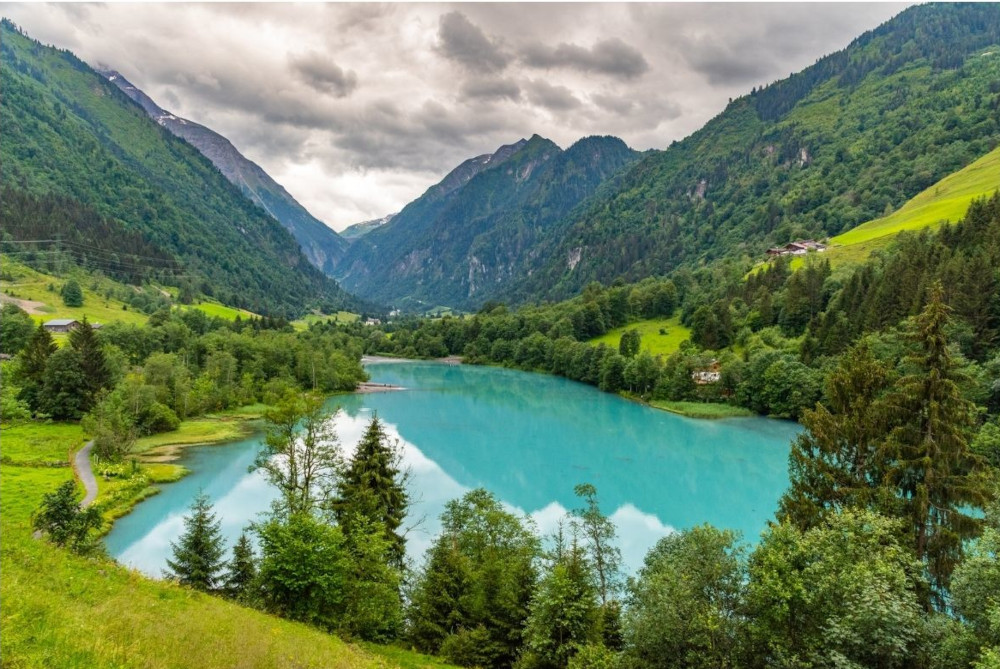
{"x":161,"y":458}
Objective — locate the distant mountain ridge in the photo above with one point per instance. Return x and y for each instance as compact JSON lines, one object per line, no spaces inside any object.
{"x":321,"y":245}
{"x":468,"y":235}
{"x":844,"y":141}
{"x":70,"y":133}
{"x":352,"y":232}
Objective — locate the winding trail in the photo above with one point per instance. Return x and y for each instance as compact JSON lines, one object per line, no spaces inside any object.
{"x":81,"y":463}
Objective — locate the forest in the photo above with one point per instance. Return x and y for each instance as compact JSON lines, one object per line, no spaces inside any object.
{"x":883,"y":551}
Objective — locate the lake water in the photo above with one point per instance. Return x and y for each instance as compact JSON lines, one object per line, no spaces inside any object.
{"x":528,"y":438}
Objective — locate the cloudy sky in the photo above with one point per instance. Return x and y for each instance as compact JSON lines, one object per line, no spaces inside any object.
{"x":357,"y":108}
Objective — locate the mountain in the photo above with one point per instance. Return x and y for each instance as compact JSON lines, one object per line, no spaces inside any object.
{"x":69,"y":132}
{"x":352,"y":232}
{"x":845,"y":141}
{"x":321,"y":245}
{"x":467,"y":236}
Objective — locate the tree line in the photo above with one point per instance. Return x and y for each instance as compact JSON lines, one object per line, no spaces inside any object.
{"x":127,"y":381}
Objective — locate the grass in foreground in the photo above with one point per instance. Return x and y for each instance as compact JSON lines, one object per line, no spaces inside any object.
{"x":61,"y":610}
{"x":649,"y":331}
{"x":702,"y":409}
{"x":40,"y":444}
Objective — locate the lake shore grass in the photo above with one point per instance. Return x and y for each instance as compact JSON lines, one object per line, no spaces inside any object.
{"x":62,"y":610}
{"x":707,"y":410}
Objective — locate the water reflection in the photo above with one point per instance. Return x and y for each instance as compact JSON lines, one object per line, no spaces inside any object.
{"x":528,"y":438}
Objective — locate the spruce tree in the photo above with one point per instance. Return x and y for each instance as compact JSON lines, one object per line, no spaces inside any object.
{"x":565,"y":615}
{"x":241,"y":570}
{"x":834,"y":464}
{"x":373,"y":488}
{"x":197,"y":555}
{"x":84,"y":341}
{"x":34,"y":357}
{"x":933,"y":469}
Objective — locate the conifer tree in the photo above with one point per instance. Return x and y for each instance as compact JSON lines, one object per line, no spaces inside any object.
{"x":34,"y":357}
{"x":94,"y":363}
{"x":565,"y":615}
{"x":834,"y":464}
{"x":241,"y":570}
{"x":197,"y":555}
{"x":935,"y":473}
{"x":373,"y":488}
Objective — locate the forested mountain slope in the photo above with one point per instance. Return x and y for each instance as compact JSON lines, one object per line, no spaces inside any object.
{"x":464,"y":239}
{"x":845,"y":141}
{"x":69,"y":132}
{"x":321,"y":244}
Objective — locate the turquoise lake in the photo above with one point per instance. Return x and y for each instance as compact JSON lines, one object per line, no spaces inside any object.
{"x":528,"y":438}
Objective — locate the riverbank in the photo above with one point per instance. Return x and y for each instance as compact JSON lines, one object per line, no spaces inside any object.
{"x":702,"y":410}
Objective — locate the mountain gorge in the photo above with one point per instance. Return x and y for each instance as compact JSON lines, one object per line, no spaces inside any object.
{"x":463,"y":240}
{"x":70,"y":133}
{"x":321,"y":245}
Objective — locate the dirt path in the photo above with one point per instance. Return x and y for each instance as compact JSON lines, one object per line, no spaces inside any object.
{"x":81,"y":463}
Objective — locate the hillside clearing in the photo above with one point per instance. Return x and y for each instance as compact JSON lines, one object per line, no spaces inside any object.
{"x":653,"y":340}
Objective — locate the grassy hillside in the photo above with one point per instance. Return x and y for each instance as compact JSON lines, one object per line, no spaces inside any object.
{"x":847,"y":140}
{"x":29,"y":288}
{"x":945,"y":201}
{"x":70,"y":133}
{"x":62,"y":610}
{"x":653,"y":340}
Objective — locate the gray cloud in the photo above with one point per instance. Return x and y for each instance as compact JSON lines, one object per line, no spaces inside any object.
{"x":554,"y":98}
{"x":358,"y":108}
{"x":491,"y":89}
{"x":611,"y":56}
{"x":322,"y":74}
{"x":466,"y":43}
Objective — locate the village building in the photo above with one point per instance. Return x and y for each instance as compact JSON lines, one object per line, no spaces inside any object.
{"x":65,"y":325}
{"x":372,"y":321}
{"x":797,"y":248}
{"x":61,"y":324}
{"x":706,"y":375}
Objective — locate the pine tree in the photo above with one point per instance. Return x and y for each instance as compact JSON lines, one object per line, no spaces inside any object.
{"x":84,"y":341}
{"x":564,"y":610}
{"x":373,"y":488}
{"x":34,"y":357}
{"x":834,"y":464}
{"x":241,"y":570}
{"x":933,"y":469}
{"x":198,"y":553}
